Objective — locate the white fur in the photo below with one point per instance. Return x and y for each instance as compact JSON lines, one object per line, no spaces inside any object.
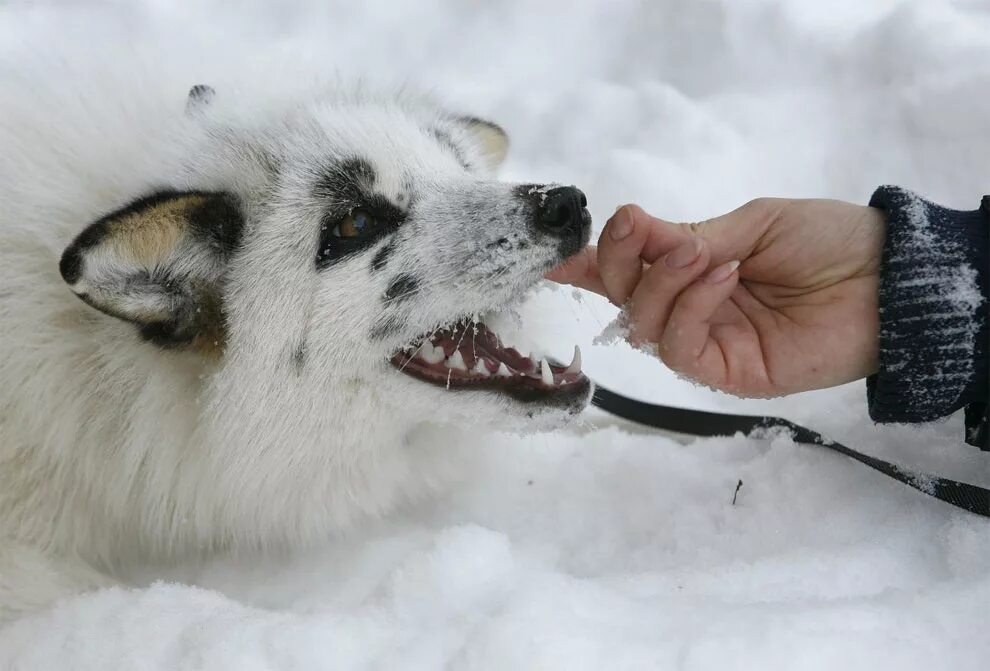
{"x":115,"y":452}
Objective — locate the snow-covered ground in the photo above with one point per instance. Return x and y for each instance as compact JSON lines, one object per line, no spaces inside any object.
{"x":606,"y":547}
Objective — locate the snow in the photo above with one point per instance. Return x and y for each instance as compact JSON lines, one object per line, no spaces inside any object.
{"x":608,"y":546}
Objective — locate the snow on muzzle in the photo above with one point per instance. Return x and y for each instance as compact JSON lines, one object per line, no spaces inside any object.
{"x":469,"y":356}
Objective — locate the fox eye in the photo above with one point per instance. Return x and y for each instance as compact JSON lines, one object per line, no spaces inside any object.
{"x":357,"y":224}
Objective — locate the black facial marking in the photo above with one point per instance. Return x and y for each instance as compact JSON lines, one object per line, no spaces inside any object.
{"x":348,"y":181}
{"x":359,"y":170}
{"x":218,"y":221}
{"x":401,"y":288}
{"x":347,"y":186}
{"x":382,"y":255}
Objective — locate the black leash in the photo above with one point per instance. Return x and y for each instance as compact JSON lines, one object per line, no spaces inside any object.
{"x":702,"y":423}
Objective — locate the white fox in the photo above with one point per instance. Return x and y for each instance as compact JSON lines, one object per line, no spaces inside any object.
{"x":219,"y":320}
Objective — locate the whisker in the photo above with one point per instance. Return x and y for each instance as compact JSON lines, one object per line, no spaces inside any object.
{"x":403,"y":366}
{"x":463,"y":333}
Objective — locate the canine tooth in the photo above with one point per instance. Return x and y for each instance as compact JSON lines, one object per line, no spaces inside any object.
{"x":456,"y":361}
{"x":546,"y":373}
{"x":479,"y":368}
{"x":575,"y":366}
{"x":503,"y":370}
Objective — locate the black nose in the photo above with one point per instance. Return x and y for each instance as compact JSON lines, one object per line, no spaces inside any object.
{"x":562,"y":212}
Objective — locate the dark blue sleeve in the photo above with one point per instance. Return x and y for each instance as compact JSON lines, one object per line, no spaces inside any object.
{"x":933,"y":313}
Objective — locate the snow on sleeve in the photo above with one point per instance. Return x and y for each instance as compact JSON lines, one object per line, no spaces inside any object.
{"x":929,"y":300}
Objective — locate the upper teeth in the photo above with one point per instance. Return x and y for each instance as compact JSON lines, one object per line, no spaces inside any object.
{"x":435,"y":354}
{"x":456,"y":361}
{"x":546,"y":373}
{"x":575,"y":366}
{"x":431,"y":354}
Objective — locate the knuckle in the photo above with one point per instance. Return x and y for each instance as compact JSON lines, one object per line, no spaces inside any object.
{"x":764,"y":208}
{"x":696,"y":227}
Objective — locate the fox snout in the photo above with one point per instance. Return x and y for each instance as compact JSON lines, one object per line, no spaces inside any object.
{"x":559,"y":212}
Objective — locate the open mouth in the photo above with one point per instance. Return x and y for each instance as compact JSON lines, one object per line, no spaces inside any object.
{"x":468,"y":355}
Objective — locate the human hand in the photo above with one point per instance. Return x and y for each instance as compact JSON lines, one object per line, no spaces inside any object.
{"x":776,"y":297}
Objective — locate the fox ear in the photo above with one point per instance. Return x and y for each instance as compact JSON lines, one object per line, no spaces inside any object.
{"x":490,"y":138}
{"x":159,"y":263}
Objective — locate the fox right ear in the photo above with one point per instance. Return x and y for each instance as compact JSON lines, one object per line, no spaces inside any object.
{"x":200,"y":96}
{"x":490,"y":138}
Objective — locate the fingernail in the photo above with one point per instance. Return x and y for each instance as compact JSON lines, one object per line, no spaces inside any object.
{"x":722,"y":273}
{"x":621,"y":225}
{"x":684,"y":255}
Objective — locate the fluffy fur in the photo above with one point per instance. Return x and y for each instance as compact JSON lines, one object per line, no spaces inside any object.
{"x":216,"y":394}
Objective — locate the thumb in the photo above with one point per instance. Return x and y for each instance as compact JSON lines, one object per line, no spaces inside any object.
{"x":580,"y":270}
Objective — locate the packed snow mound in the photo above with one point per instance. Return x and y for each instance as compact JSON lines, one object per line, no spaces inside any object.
{"x":603,"y":547}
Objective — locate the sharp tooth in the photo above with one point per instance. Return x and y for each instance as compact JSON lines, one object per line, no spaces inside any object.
{"x":432,"y":354}
{"x":479,"y":368}
{"x":456,"y":361}
{"x":575,"y":366}
{"x":546,"y":373}
{"x":503,"y":370}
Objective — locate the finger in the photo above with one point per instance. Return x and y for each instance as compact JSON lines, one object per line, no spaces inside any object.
{"x":653,"y":298}
{"x":733,"y":235}
{"x":628,"y":234}
{"x":685,"y":345}
{"x":581,"y":270}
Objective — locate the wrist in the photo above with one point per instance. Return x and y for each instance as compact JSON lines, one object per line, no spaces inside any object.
{"x":932,"y":306}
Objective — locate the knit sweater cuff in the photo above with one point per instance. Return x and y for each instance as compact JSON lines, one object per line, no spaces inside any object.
{"x":933,"y":310}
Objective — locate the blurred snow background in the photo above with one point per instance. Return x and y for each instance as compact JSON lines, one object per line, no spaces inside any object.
{"x":604,"y":547}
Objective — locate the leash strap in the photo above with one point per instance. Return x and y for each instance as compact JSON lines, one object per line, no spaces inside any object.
{"x":702,"y":423}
